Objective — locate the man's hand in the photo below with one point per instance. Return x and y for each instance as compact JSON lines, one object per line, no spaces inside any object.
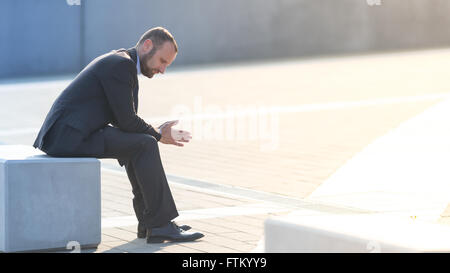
{"x":172,"y":136}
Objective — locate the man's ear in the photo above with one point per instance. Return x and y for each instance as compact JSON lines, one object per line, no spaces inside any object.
{"x":148,"y":45}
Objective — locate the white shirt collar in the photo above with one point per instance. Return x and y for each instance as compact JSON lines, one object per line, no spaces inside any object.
{"x":138,"y":66}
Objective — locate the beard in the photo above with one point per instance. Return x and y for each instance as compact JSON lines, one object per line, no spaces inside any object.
{"x":146,"y":71}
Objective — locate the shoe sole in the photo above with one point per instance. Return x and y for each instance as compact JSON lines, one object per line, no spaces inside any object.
{"x":158,"y":240}
{"x":143,"y":235}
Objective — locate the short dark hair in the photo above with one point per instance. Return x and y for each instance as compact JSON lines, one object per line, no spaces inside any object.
{"x":159,"y":36}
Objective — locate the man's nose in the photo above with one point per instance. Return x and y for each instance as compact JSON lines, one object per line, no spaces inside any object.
{"x":162,"y":69}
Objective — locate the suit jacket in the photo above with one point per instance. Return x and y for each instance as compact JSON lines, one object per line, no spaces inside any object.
{"x":104,"y":92}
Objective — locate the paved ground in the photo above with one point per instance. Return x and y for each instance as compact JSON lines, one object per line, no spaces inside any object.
{"x":268,"y":139}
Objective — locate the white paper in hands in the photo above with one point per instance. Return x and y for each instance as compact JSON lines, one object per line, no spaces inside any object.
{"x":178,"y":135}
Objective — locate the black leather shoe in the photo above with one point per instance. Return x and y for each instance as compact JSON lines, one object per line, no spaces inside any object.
{"x":142,"y":231}
{"x":171,"y":232}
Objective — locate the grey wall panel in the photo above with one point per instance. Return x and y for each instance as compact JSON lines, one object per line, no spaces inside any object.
{"x":410,"y":24}
{"x":42,"y":37}
{"x":38,"y":37}
{"x":221,"y":31}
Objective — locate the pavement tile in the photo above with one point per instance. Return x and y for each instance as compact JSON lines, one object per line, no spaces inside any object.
{"x":132,"y":229}
{"x":173,"y":248}
{"x":244,"y":219}
{"x":107,"y":238}
{"x":125,"y":200}
{"x":208,"y":247}
{"x":231,"y":226}
{"x":119,"y":233}
{"x":137,"y":244}
{"x":114,"y":244}
{"x":243,"y":236}
{"x":230,"y":241}
{"x":114,"y":214}
{"x":243,"y":248}
{"x":100,"y":249}
{"x":208,"y":228}
{"x":148,"y":249}
{"x":444,"y":220}
{"x":307,"y":154}
{"x":238,"y":221}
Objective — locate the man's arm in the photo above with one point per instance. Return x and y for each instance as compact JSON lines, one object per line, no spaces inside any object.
{"x":118,"y":86}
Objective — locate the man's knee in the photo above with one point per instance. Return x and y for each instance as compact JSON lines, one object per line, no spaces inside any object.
{"x":145,"y":144}
{"x":149,"y":142}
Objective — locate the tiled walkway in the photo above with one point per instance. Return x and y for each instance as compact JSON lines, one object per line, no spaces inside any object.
{"x":242,"y":167}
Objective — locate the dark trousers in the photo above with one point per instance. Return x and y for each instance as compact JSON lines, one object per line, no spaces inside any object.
{"x":153,"y":202}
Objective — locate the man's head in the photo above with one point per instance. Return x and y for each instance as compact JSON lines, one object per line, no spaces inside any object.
{"x":156,"y":50}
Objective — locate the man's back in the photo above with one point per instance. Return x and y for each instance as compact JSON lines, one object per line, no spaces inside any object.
{"x":104,"y":92}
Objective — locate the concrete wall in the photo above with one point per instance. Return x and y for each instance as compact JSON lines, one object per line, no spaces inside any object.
{"x":38,"y":37}
{"x":50,"y":37}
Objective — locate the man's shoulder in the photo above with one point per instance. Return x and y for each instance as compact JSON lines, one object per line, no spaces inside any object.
{"x":119,"y":56}
{"x":123,"y":54}
{"x":115,"y":60}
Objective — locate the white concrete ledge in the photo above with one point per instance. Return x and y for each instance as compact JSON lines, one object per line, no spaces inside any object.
{"x":46,"y":202}
{"x":354,"y":234}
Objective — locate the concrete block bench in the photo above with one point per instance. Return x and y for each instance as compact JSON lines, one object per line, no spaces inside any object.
{"x":354,"y":234}
{"x":47,"y":202}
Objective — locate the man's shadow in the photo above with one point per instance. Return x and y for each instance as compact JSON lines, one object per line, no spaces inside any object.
{"x":136,"y":245}
{"x":140,"y":246}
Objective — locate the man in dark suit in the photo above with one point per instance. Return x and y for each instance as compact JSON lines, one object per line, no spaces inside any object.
{"x":105,"y":93}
